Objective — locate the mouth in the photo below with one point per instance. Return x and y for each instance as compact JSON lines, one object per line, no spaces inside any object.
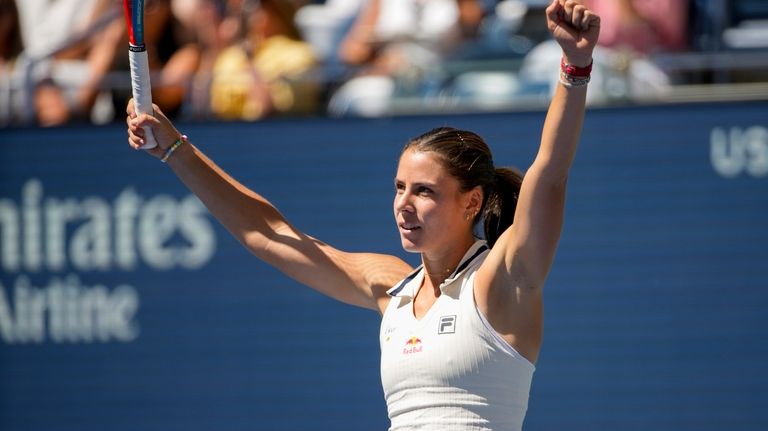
{"x":409,"y":227}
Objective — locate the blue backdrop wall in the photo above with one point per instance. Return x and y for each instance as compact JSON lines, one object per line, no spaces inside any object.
{"x":125,"y":306}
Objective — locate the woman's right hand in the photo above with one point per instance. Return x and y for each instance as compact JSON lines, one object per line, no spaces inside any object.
{"x":575,"y":28}
{"x":163,"y":130}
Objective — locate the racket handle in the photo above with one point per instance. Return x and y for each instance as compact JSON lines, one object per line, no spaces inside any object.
{"x":142,"y":90}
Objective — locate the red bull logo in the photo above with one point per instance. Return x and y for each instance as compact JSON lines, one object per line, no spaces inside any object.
{"x":413,"y":345}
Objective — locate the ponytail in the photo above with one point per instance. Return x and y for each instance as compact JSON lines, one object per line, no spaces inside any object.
{"x":501,"y":202}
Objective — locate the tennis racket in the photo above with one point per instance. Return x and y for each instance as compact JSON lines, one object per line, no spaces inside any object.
{"x":137,"y":56}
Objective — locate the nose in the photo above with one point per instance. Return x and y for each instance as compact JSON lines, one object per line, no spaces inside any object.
{"x":402,"y":202}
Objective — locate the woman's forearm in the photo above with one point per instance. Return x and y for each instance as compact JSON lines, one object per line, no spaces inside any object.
{"x":561,"y":132}
{"x":247,"y":215}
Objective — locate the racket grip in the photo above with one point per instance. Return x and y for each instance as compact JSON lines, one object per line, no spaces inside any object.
{"x":142,"y":91}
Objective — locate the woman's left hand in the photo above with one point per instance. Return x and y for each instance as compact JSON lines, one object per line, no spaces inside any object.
{"x":575,"y":28}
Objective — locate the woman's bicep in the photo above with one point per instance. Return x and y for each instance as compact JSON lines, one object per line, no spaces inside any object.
{"x":359,"y":279}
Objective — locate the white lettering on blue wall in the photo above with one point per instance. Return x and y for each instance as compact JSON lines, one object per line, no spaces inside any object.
{"x":53,"y":233}
{"x":66,"y":311}
{"x":739,"y":151}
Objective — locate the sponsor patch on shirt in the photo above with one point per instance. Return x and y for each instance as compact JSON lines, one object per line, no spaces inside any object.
{"x":413,"y":345}
{"x":446,"y":324}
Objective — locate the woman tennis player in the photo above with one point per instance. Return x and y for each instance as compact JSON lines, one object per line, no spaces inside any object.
{"x":460,"y":333}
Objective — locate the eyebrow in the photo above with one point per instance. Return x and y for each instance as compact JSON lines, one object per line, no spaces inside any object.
{"x":430,"y":185}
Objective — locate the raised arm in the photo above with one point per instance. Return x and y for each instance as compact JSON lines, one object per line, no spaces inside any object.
{"x":539,"y":216}
{"x":508,"y":288}
{"x":356,"y":278}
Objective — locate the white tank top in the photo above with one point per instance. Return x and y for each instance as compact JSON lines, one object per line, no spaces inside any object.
{"x":450,"y":370}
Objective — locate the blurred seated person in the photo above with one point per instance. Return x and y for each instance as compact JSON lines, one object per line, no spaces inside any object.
{"x":643,"y":26}
{"x":215,"y":25}
{"x":60,"y":60}
{"x":630,"y":32}
{"x":268,"y":72}
{"x":72,"y":88}
{"x":436,"y":25}
{"x":325,"y":23}
{"x":396,"y":38}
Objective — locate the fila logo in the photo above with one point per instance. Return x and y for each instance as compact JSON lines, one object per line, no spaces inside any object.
{"x":447,"y":325}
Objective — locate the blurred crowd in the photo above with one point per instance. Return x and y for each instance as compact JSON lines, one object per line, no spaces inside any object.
{"x":64,"y":61}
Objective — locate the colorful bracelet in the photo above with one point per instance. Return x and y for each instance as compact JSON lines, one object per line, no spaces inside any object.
{"x":182,"y":139}
{"x":570,"y":81}
{"x":574,"y":76}
{"x":569,"y":69}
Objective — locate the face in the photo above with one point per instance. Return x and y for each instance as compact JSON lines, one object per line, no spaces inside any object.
{"x":429,"y":205}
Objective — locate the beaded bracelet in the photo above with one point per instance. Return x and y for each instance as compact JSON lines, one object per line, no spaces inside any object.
{"x":571,"y":81}
{"x":182,"y":139}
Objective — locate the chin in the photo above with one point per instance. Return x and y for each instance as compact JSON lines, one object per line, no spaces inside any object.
{"x":409,"y":246}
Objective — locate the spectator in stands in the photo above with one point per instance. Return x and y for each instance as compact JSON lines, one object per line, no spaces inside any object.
{"x":632,"y":30}
{"x":393,"y":39}
{"x":10,"y":48}
{"x":268,"y":72}
{"x":57,"y":53}
{"x":103,"y":46}
{"x":215,"y":25}
{"x":324,"y":24}
{"x":644,"y":26}
{"x":72,"y":68}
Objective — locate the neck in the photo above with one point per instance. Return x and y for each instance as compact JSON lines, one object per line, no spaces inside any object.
{"x":444,"y":273}
{"x":439,"y":266}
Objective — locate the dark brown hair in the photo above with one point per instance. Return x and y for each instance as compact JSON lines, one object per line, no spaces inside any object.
{"x":466,"y":157}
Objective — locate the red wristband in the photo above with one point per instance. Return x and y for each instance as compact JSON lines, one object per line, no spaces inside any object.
{"x":581,"y":72}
